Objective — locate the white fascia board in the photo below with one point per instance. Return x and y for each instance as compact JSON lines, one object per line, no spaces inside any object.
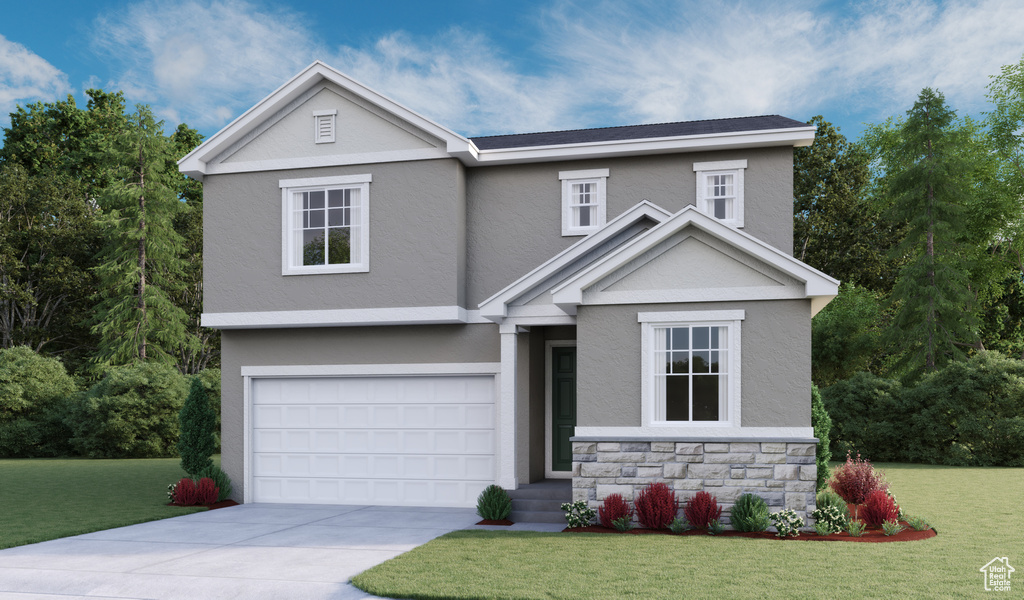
{"x":817,"y":283}
{"x":796,"y":136}
{"x":389,"y":370}
{"x":195,"y":163}
{"x":496,"y":307}
{"x":351,"y":317}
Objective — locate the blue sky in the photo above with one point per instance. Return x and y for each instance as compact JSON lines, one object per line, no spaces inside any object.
{"x":501,"y":66}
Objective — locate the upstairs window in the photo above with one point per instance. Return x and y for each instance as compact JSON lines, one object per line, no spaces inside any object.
{"x":325,"y":225}
{"x":323,"y":126}
{"x":720,"y":190}
{"x":583,"y":201}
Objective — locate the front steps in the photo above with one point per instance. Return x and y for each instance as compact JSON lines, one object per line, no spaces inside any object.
{"x":541,"y":502}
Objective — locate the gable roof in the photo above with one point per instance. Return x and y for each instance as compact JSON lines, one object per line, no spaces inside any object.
{"x":820,"y":288}
{"x":688,"y":136}
{"x":637,"y":132}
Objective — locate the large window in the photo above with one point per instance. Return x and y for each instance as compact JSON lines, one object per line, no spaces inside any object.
{"x":720,"y":190}
{"x":325,"y":225}
{"x":691,"y":367}
{"x":583,"y":201}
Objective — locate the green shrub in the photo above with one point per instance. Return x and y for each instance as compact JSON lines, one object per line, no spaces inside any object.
{"x":829,"y":519}
{"x":918,"y":523}
{"x":679,"y":525}
{"x":969,"y":413}
{"x":220,"y":479}
{"x":493,"y":504}
{"x":750,"y":513}
{"x":822,"y":424}
{"x":786,"y":523}
{"x":196,"y":420}
{"x":828,"y":498}
{"x":578,"y":514}
{"x":856,"y":528}
{"x":131,"y":413}
{"x":891,"y":527}
{"x":868,"y":416}
{"x":33,"y":390}
{"x":211,"y":381}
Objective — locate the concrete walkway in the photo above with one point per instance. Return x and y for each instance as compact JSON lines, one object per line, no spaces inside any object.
{"x":252,"y":551}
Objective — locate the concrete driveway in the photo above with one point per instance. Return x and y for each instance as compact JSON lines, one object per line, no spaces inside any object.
{"x":251,"y":551}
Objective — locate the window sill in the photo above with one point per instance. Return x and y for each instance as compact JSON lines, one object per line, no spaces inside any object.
{"x":331,"y":270}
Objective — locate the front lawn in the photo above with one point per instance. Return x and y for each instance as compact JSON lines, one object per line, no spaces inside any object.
{"x":975,"y":510}
{"x":43,"y":499}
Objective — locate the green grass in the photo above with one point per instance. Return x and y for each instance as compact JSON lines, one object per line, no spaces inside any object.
{"x":975,"y":511}
{"x":43,"y":499}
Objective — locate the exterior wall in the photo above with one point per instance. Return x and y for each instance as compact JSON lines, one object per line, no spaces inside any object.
{"x":417,"y":242}
{"x":783,"y":473}
{"x":514,"y":211}
{"x":775,"y":354}
{"x":335,"y":346}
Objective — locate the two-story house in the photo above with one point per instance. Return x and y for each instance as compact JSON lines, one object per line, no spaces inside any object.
{"x":409,"y":315}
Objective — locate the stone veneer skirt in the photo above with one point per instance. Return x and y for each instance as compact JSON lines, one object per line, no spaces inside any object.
{"x":783,"y":473}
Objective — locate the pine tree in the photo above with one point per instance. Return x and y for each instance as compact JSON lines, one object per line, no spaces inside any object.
{"x":934,"y":316}
{"x":197,"y":419}
{"x":141,"y":258}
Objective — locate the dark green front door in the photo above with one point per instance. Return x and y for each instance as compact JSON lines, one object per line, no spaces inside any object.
{"x":563,"y":407}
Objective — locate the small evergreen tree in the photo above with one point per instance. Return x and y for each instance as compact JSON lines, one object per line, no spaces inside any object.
{"x":196,"y":444}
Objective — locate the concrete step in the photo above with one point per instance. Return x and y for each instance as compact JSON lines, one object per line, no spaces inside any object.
{"x":535,"y":505}
{"x":532,"y":516}
{"x":549,"y":489}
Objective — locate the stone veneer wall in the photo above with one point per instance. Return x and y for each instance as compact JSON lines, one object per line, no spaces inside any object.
{"x":783,"y":473}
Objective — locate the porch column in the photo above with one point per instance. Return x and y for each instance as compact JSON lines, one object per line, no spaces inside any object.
{"x":506,"y":426}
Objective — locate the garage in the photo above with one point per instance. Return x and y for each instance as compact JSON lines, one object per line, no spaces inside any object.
{"x":382,"y":440}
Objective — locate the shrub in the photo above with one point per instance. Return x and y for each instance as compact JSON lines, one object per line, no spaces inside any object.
{"x":918,"y":523}
{"x":211,"y":381}
{"x":868,"y":415}
{"x":702,"y":509}
{"x":679,"y":525}
{"x":856,"y":479}
{"x":494,"y":503}
{"x":829,"y":498}
{"x":33,"y":389}
{"x":220,"y":479}
{"x":855,"y":528}
{"x":577,"y":514}
{"x":131,"y":413}
{"x":828,"y":520}
{"x":750,"y":513}
{"x":879,"y":508}
{"x":196,"y":420}
{"x":891,"y":527}
{"x":822,"y":424}
{"x":624,"y":523}
{"x":206,"y":491}
{"x":786,"y":523}
{"x":612,"y":509}
{"x":656,"y":506}
{"x":715,"y":527}
{"x":185,"y":492}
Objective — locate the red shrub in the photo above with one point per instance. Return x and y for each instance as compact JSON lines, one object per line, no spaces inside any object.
{"x":656,"y":506}
{"x":878,"y":508}
{"x":612,"y":509}
{"x":702,"y":509}
{"x":186,"y":494}
{"x":856,"y":479}
{"x":207,"y":491}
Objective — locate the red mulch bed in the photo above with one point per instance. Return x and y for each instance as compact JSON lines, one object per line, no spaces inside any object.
{"x":221,"y":504}
{"x":870,"y":535}
{"x":493,"y":522}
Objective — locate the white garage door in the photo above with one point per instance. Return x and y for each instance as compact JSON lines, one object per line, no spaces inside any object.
{"x":403,"y":441}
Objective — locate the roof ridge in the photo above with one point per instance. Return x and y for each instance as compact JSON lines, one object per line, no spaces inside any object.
{"x":478,"y":137}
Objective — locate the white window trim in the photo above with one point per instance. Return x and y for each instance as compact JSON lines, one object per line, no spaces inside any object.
{"x":318,"y":117}
{"x":290,"y":186}
{"x":568,"y":178}
{"x":735,"y":168}
{"x":649,"y":321}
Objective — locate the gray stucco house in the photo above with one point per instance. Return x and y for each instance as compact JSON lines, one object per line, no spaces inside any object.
{"x":410,"y":315}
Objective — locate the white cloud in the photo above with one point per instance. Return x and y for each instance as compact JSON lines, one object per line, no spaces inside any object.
{"x":206,"y":61}
{"x":26,"y":76}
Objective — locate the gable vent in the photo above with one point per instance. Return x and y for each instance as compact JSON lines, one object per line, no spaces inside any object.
{"x":323,"y":126}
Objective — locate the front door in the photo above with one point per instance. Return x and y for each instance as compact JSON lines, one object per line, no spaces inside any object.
{"x":563,"y":406}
